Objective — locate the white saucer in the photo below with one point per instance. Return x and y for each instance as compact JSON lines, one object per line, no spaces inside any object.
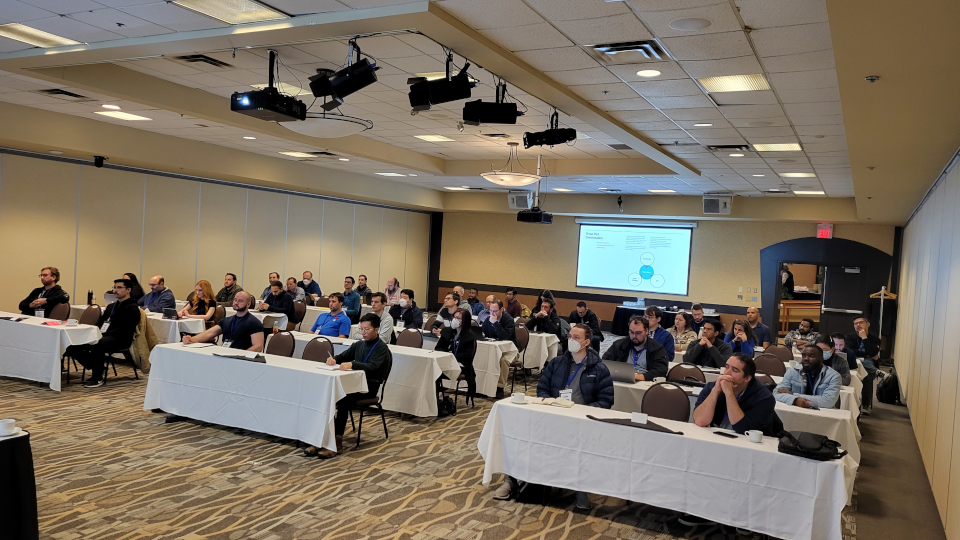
{"x":16,"y":431}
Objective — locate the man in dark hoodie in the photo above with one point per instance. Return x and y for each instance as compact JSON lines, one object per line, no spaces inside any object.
{"x":582,"y":315}
{"x":46,"y":297}
{"x":406,"y":311}
{"x":648,"y":357}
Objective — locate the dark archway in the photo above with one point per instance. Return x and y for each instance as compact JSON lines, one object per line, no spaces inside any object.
{"x":822,"y":252}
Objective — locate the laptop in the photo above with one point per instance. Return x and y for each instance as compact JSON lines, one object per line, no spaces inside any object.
{"x":621,"y":371}
{"x":169,"y":313}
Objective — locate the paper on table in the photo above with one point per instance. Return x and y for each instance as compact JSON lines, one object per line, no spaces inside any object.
{"x":198,"y":345}
{"x":327,"y":367}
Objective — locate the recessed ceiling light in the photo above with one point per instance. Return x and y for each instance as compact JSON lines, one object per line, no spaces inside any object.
{"x":798,"y":175}
{"x":661,"y":191}
{"x":690,"y":25}
{"x":32,"y":36}
{"x":56,"y":152}
{"x":791,"y":147}
{"x":648,"y":73}
{"x":390,"y":174}
{"x":433,"y":138}
{"x":111,"y":107}
{"x":808,"y":192}
{"x":232,"y":12}
{"x":411,"y":175}
{"x":285,"y":88}
{"x":561,"y":189}
{"x":736,"y":155}
{"x":344,"y":159}
{"x":250,"y":138}
{"x":298,"y":154}
{"x":457,"y":188}
{"x":122,"y":115}
{"x":773,"y":189}
{"x":759,"y":175}
{"x":702,"y":125}
{"x":734,"y":83}
{"x":603,"y":188}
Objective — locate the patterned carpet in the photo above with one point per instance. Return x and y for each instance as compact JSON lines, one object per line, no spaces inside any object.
{"x":108,"y":470}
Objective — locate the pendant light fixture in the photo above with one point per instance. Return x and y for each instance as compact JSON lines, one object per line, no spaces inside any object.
{"x":506,"y":176}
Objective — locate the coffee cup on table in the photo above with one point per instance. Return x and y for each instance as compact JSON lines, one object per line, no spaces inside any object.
{"x":8,"y":426}
{"x":659,"y":379}
{"x":72,"y":322}
{"x":756,"y":436}
{"x":518,"y":397}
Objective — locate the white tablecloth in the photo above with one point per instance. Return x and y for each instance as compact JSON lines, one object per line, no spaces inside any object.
{"x":167,"y":330}
{"x":486,"y":362}
{"x":29,"y":350}
{"x":286,"y":397}
{"x":266,"y":317}
{"x":731,"y":481}
{"x":541,"y":349}
{"x":411,"y":387}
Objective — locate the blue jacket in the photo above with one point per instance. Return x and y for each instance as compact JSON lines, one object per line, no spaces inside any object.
{"x":745,"y":347}
{"x":351,"y":304}
{"x":312,"y":288}
{"x":157,"y":302}
{"x":665,"y":338}
{"x":596,"y":384}
{"x":826,"y":389}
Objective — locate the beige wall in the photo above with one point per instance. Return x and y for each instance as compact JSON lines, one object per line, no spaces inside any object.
{"x":94,"y":224}
{"x":926,"y":352}
{"x":494,"y":249}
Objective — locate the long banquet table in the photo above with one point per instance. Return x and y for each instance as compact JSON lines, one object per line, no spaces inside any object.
{"x":730,"y":481}
{"x":486,"y":362}
{"x":286,"y":397}
{"x":32,"y":351}
{"x":266,"y":317}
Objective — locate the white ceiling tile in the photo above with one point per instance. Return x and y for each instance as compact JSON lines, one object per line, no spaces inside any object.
{"x":826,"y":129}
{"x":683,"y":102}
{"x":759,"y":97}
{"x":593,"y":75}
{"x":813,"y":109}
{"x":804,"y":80}
{"x":491,"y":13}
{"x":572,"y":10}
{"x":304,"y":7}
{"x":75,"y":30}
{"x":770,"y":13}
{"x":760,"y":132}
{"x":418,"y":64}
{"x":709,"y":47}
{"x":525,"y":38}
{"x":560,"y":59}
{"x":667,"y":88}
{"x":639,"y":116}
{"x":713,"y":133}
{"x":689,"y":124}
{"x":111,"y":19}
{"x":786,"y":40}
{"x":213,"y":81}
{"x":810,"y":96}
{"x":632,"y":104}
{"x":751,"y":111}
{"x":613,"y":29}
{"x":652,"y":126}
{"x":19,"y":12}
{"x":162,"y":65}
{"x":172,"y":17}
{"x":741,"y":65}
{"x":702,"y":114}
{"x":720,"y":14}
{"x":800,"y":62}
{"x":10,"y":45}
{"x":770,"y":121}
{"x":603,"y":92}
{"x":64,"y":7}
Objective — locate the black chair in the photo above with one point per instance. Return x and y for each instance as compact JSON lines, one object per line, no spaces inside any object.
{"x":373,"y":405}
{"x":111,"y":363}
{"x":91,"y":316}
{"x":523,"y":339}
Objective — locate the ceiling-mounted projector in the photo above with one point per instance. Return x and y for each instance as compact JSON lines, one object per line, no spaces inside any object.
{"x":268,"y":104}
{"x":535,"y":215}
{"x":340,"y":84}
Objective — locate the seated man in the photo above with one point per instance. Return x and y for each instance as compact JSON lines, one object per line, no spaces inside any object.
{"x":336,"y":323}
{"x":45,"y":297}
{"x":761,"y":332}
{"x":801,"y":336}
{"x":513,"y":305}
{"x":295,"y":291}
{"x":310,"y":286}
{"x":159,"y":298}
{"x":378,"y":306}
{"x":229,"y":290}
{"x":278,"y":301}
{"x":810,"y":384}
{"x":372,"y":357}
{"x":697,"y":311}
{"x":658,"y":333}
{"x":866,"y":347}
{"x":476,"y":306}
{"x":451,"y":303}
{"x":271,"y":278}
{"x":546,"y":320}
{"x":840,"y":345}
{"x":833,"y":359}
{"x":240,"y":331}
{"x":648,"y":357}
{"x":461,"y":297}
{"x":362,"y":288}
{"x":738,"y":401}
{"x":578,"y":376}
{"x":710,"y":351}
{"x":499,"y":325}
{"x":351,"y":300}
{"x":118,"y":323}
{"x":406,"y":310}
{"x":582,"y":315}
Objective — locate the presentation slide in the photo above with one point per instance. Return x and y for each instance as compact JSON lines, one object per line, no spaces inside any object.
{"x":642,"y":259}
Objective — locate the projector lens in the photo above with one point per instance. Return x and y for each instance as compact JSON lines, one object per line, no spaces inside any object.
{"x":244,"y":100}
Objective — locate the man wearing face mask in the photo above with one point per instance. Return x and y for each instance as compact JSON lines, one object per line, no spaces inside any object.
{"x":310,"y":286}
{"x":648,"y":357}
{"x":406,"y":311}
{"x":578,"y":376}
{"x":810,"y":384}
{"x":833,"y":359}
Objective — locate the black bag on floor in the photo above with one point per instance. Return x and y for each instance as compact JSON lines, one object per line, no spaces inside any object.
{"x":529,"y":493}
{"x":810,"y":445}
{"x":446,"y":407}
{"x":888,"y":389}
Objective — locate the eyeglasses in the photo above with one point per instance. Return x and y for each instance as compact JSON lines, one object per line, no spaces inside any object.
{"x":46,"y":275}
{"x":118,"y":287}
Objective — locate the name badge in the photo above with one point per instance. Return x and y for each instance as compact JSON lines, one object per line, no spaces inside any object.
{"x":105,"y":327}
{"x":228,"y":344}
{"x":567,"y":394}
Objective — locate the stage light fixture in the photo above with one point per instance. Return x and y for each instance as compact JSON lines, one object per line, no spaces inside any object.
{"x":480,"y":112}
{"x":551,"y":137}
{"x":424,"y":93}
{"x":340,"y":84}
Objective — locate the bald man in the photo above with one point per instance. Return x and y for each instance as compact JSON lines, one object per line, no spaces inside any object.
{"x":760,"y":331}
{"x":159,"y":298}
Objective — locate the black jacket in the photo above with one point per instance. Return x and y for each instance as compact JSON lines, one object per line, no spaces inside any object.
{"x":758,"y":406}
{"x":596,"y":383}
{"x":863,"y":348}
{"x":590,"y":319}
{"x":122,"y":325}
{"x":372,"y":357}
{"x":412,"y":316}
{"x":464,"y":352}
{"x":281,"y":304}
{"x":715,"y":356}
{"x":549,"y":324}
{"x":657,"y":359}
{"x":54,"y":296}
{"x":504,"y":330}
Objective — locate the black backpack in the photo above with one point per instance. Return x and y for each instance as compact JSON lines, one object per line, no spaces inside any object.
{"x":888,"y":389}
{"x":810,"y":445}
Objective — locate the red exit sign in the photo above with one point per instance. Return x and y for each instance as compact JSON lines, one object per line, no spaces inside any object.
{"x":825,"y":230}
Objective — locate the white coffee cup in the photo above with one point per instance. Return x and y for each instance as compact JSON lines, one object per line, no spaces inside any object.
{"x":72,"y":322}
{"x":7,"y":426}
{"x":518,"y":397}
{"x":756,"y":436}
{"x":659,"y":379}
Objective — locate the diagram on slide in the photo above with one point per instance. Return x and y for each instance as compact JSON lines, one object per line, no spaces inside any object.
{"x":646,"y":272}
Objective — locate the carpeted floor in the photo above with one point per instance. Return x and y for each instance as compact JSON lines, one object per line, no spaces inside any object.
{"x":108,"y":470}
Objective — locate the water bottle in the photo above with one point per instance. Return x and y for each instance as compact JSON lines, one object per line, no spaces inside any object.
{"x":90,"y":297}
{"x":276,"y":327}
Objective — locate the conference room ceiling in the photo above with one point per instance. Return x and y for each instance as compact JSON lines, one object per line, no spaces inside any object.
{"x":540,"y":47}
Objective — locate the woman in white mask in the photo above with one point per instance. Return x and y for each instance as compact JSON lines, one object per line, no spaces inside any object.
{"x":460,"y":339}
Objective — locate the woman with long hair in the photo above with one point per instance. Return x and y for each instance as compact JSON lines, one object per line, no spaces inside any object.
{"x":203,"y":305}
{"x":741,"y":338}
{"x":136,"y":291}
{"x":682,"y":331}
{"x":459,"y":339}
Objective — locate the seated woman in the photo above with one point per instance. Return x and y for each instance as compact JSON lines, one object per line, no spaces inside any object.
{"x":682,"y":331}
{"x":203,"y":305}
{"x":741,"y":338}
{"x":459,"y":339}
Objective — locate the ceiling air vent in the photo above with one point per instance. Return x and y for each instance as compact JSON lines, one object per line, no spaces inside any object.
{"x":631,"y":52}
{"x":730,"y":148}
{"x":193,"y":58}
{"x":496,"y":135}
{"x":620,"y":146}
{"x":63,"y":94}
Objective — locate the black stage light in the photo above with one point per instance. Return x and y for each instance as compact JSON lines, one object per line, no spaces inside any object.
{"x":480,"y":112}
{"x":551,"y":137}
{"x":98,"y":161}
{"x":348,"y":80}
{"x":424,"y":93}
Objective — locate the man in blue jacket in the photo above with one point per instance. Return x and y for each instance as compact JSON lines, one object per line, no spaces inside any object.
{"x":310,"y":286}
{"x":578,"y":376}
{"x":661,"y":336}
{"x":810,"y":384}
